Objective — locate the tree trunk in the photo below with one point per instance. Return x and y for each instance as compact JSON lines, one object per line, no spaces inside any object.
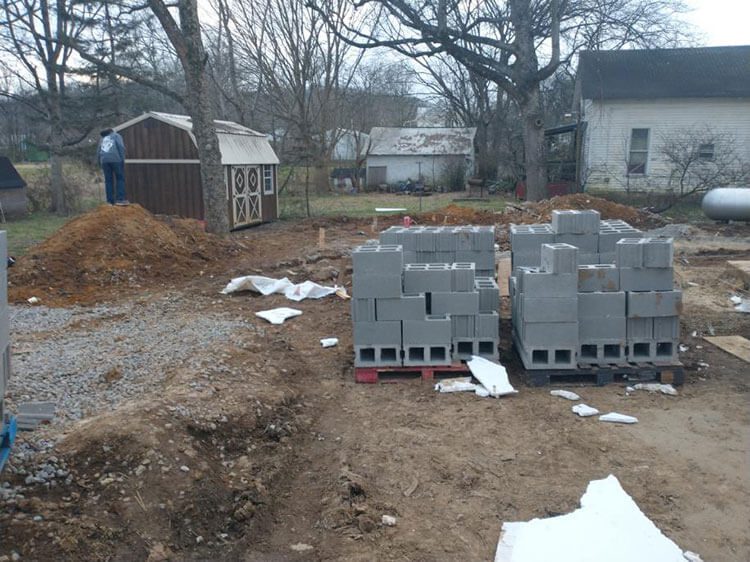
{"x":535,"y":160}
{"x":56,"y":181}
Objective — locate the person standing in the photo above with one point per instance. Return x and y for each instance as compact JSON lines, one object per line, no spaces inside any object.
{"x":112,"y":161}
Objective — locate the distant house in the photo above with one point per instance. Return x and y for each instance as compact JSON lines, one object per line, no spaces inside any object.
{"x":634,"y":105}
{"x":12,"y":190}
{"x":162,"y":170}
{"x":349,"y":145}
{"x":400,"y":154}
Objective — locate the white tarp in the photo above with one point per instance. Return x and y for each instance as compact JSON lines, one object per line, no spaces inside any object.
{"x":278,"y":315}
{"x":329,"y":342}
{"x":268,"y":286}
{"x":656,"y":387}
{"x":493,"y":376}
{"x":568,"y":395}
{"x":608,"y":526}
{"x":584,"y":410}
{"x":614,"y":417}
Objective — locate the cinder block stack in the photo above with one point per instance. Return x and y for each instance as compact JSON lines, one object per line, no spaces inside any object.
{"x":412,"y":314}
{"x":611,"y":232}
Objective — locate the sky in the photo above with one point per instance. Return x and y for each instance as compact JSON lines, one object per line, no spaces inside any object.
{"x":721,"y":22}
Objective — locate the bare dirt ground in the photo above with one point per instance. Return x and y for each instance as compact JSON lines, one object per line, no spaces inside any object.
{"x":264,"y":448}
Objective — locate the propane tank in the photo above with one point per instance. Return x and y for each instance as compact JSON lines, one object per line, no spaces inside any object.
{"x":727,"y":204}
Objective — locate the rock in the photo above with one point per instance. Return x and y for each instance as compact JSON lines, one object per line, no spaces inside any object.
{"x":244,"y":512}
{"x":159,"y":553}
{"x":366,"y":524}
{"x":184,"y":468}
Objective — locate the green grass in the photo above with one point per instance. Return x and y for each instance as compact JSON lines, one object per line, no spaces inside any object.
{"x":363,"y":205}
{"x":24,"y":233}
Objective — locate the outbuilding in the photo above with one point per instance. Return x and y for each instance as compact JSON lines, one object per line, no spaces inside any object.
{"x":162,"y":169}
{"x":12,"y":190}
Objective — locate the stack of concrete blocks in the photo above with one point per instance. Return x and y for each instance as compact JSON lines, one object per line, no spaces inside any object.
{"x":602,"y":324}
{"x":446,"y":244}
{"x":653,"y":305}
{"x":4,"y":322}
{"x":544,"y":309}
{"x":611,"y":232}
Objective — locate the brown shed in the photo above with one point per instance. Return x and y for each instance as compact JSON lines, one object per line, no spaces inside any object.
{"x":162,"y":170}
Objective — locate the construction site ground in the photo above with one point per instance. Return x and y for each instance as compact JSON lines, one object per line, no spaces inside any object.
{"x":192,"y":430}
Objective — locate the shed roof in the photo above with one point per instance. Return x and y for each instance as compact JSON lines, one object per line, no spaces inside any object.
{"x":705,"y":72}
{"x":238,"y":144}
{"x":9,"y":176}
{"x":422,"y":141}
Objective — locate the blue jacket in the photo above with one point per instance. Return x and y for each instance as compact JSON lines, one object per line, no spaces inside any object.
{"x":111,"y":149}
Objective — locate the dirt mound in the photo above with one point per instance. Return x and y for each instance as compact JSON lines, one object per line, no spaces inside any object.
{"x":108,"y":247}
{"x":529,"y":213}
{"x":457,"y":214}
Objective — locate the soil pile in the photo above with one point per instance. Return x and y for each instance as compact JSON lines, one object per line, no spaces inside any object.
{"x":457,"y":214}
{"x":112,"y":246}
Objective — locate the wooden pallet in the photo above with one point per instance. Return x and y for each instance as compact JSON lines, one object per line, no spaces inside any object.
{"x":606,"y":374}
{"x":373,"y":375}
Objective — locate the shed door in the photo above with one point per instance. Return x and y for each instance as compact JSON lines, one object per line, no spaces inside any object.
{"x":246,"y":207}
{"x":376,"y":175}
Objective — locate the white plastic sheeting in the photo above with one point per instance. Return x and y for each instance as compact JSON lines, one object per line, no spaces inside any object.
{"x":656,"y":387}
{"x":278,"y":315}
{"x":568,"y":395}
{"x":614,"y":417}
{"x":329,"y":342}
{"x":608,"y":526}
{"x":493,"y":376}
{"x":268,"y":286}
{"x":584,"y":410}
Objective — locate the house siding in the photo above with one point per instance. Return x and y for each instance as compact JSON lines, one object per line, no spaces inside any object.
{"x":402,"y":168}
{"x":609,"y":125}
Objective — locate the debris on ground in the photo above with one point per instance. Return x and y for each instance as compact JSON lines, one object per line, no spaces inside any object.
{"x":609,"y":525}
{"x":388,"y":520}
{"x":493,"y":376}
{"x":278,"y":315}
{"x":584,"y":410}
{"x":268,"y":286}
{"x":656,"y":387}
{"x":614,"y":417}
{"x":329,"y":342}
{"x":460,"y":384}
{"x":740,"y":304}
{"x":734,"y":345}
{"x":568,"y":395}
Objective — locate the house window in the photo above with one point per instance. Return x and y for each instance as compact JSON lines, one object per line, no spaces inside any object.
{"x":267,"y":180}
{"x":638,"y":151}
{"x":706,"y":151}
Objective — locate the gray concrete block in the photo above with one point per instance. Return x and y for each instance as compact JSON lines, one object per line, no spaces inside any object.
{"x":407,"y":307}
{"x":484,"y":239}
{"x":537,"y":283}
{"x":426,"y":239}
{"x":529,"y":240}
{"x":464,"y":237}
{"x":600,"y":353}
{"x":377,"y":333}
{"x":629,"y":253}
{"x":586,"y":243}
{"x":640,"y":328}
{"x":377,"y":356}
{"x":427,"y":277}
{"x":646,"y":279}
{"x":410,"y":256}
{"x":575,"y":222}
{"x":390,"y":236}
{"x":542,"y":357}
{"x":433,"y":330}
{"x":445,"y":241}
{"x":462,"y":277}
{"x":525,"y":259}
{"x":608,"y":257}
{"x":464,"y":348}
{"x":654,"y":303}
{"x":559,"y":258}
{"x":363,"y":310}
{"x":488,"y":326}
{"x":549,"y":334}
{"x":366,"y":285}
{"x":652,"y":351}
{"x":488,"y":348}
{"x":666,"y":328}
{"x":611,"y":328}
{"x":489,"y":294}
{"x":588,"y":259}
{"x":546,"y":309}
{"x":601,"y":305}
{"x":658,"y":252}
{"x":417,"y":355}
{"x":463,"y":325}
{"x":609,"y":237}
{"x":481,"y":260}
{"x":455,"y":303}
{"x":377,"y":260}
{"x":598,"y":278}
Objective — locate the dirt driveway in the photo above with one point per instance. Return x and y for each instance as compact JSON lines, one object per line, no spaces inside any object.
{"x":256,"y":444}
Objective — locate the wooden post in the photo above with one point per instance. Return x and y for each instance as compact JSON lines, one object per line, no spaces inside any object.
{"x":374,"y":224}
{"x":321,"y":238}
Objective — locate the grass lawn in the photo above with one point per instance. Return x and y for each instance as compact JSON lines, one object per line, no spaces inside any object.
{"x":25,"y":232}
{"x":363,"y":205}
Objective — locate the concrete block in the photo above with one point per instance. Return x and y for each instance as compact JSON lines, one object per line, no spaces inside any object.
{"x":601,"y":305}
{"x":598,"y":278}
{"x":666,"y":328}
{"x":550,"y":334}
{"x":559,"y":258}
{"x":390,"y":236}
{"x":462,"y":277}
{"x":489,"y":294}
{"x":541,"y":357}
{"x":433,"y":330}
{"x":610,"y":328}
{"x":609,"y":237}
{"x":455,"y":303}
{"x":377,"y":356}
{"x":654,"y":304}
{"x":646,"y":279}
{"x":586,"y":243}
{"x":464,"y":237}
{"x":537,"y":283}
{"x":640,"y":328}
{"x":366,"y":285}
{"x":484,"y":239}
{"x":599,"y":353}
{"x":377,"y":260}
{"x":417,"y":355}
{"x":607,"y":257}
{"x":378,"y":333}
{"x":481,"y":260}
{"x":629,"y":253}
{"x":445,"y":241}
{"x":575,"y":222}
{"x":488,"y":326}
{"x":527,"y":239}
{"x":658,"y":252}
{"x":588,"y":259}
{"x":410,"y":256}
{"x":463,"y":325}
{"x":464,"y":348}
{"x":488,"y":348}
{"x":363,"y":310}
{"x":427,"y":277}
{"x":652,"y":351}
{"x":545,"y":309}
{"x":412,"y":307}
{"x":525,"y":259}
{"x":426,"y":239}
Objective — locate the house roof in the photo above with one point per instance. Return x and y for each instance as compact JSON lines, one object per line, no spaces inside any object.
{"x":9,"y":176}
{"x":705,"y":72}
{"x":238,"y":144}
{"x":422,"y":141}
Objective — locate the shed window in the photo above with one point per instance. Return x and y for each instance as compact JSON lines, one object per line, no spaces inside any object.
{"x":267,"y":180}
{"x":706,"y":151}
{"x":638,"y":151}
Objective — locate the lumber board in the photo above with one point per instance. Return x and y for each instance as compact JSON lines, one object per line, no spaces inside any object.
{"x":740,"y":269}
{"x":503,"y":272}
{"x":735,"y":345}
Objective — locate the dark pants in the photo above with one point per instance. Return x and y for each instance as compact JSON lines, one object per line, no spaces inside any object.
{"x":114,"y":172}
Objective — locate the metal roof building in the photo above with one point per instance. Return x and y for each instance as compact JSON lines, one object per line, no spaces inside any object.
{"x":12,"y":189}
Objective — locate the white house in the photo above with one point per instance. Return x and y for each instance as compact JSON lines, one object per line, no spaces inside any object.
{"x":399,"y":154}
{"x":636,"y":106}
{"x":348,"y":145}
